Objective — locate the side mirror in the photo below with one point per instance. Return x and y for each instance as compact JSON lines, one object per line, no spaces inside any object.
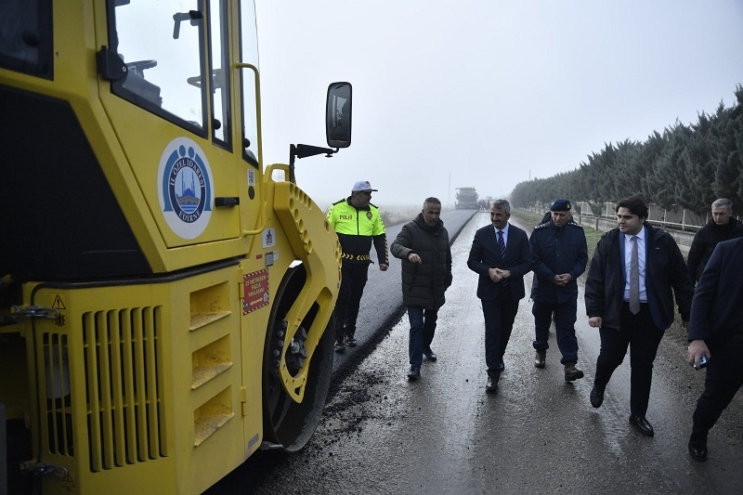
{"x":338,"y":115}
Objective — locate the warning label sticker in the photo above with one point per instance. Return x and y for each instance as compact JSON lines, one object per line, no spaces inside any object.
{"x":59,"y":303}
{"x":255,"y":287}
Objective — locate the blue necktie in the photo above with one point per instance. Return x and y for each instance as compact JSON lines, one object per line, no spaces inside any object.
{"x":634,"y":278}
{"x":502,"y":247}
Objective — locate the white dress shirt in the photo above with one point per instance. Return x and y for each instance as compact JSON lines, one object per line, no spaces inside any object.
{"x":505,"y":233}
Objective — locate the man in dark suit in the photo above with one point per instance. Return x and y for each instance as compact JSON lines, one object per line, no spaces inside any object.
{"x":635,"y":272}
{"x":716,"y":332}
{"x":501,"y":255}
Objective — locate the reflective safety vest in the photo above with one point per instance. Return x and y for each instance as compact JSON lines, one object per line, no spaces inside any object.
{"x":356,"y":227}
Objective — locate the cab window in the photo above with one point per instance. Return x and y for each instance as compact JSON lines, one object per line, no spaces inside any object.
{"x":26,"y":36}
{"x":161,"y":45}
{"x":220,"y":62}
{"x":249,"y":55}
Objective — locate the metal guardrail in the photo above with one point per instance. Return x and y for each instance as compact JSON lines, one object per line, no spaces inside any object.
{"x":683,"y":233}
{"x":683,"y":237}
{"x":664,"y":224}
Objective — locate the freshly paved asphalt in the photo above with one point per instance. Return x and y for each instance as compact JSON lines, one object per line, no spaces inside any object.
{"x":381,"y":307}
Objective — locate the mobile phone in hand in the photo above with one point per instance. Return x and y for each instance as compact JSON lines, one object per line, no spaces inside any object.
{"x":702,"y":363}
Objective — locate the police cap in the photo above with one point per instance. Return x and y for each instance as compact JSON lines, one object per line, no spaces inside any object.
{"x":362,"y":186}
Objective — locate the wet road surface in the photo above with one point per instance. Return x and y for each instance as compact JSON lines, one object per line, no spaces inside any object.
{"x":381,"y":305}
{"x":381,"y":434}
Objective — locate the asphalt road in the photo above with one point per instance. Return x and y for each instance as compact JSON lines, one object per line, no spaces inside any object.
{"x":381,"y":308}
{"x":381,"y":434}
{"x":381,"y":305}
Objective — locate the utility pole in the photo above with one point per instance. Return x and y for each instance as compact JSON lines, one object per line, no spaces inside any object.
{"x":448,"y":193}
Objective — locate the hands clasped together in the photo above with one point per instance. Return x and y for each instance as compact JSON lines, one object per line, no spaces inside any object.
{"x":562,"y":280}
{"x":498,"y":274}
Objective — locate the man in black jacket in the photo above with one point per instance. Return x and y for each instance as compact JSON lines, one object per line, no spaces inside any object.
{"x":635,"y":272}
{"x":423,"y":247}
{"x":716,"y":332}
{"x":721,"y":227}
{"x":501,"y":255}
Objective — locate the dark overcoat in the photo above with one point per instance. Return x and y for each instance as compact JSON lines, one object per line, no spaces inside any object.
{"x":717,"y":309}
{"x":666,"y":277}
{"x":557,"y":250}
{"x":705,"y":241}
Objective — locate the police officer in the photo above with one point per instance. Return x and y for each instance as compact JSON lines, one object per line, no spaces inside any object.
{"x":559,"y":257}
{"x":358,"y":224}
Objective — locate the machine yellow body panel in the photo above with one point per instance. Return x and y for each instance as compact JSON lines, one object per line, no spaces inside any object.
{"x":155,"y":354}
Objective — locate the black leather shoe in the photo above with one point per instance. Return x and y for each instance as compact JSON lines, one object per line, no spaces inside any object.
{"x":414,"y":373}
{"x":430,"y":355}
{"x":597,"y":396}
{"x":539,"y":358}
{"x":642,"y":425}
{"x":698,"y":446}
{"x":492,"y":384}
{"x":340,"y":346}
{"x":698,"y":452}
{"x":572,"y":373}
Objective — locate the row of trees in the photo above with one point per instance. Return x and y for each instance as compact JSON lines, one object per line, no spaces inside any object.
{"x":686,"y":166}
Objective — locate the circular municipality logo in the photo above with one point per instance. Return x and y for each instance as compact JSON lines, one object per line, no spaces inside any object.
{"x":184,"y":185}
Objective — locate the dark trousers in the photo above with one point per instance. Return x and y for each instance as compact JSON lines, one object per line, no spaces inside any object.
{"x":643,"y":337}
{"x":499,"y":314}
{"x":724,"y":378}
{"x":565,"y":316}
{"x":422,"y":330}
{"x":353,"y":281}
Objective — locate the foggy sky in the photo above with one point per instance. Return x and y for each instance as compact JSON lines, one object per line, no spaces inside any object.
{"x":485,"y":93}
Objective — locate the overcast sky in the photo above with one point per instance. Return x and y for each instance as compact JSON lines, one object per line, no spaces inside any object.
{"x":485,"y":93}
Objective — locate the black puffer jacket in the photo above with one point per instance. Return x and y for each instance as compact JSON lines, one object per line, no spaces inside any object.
{"x":424,"y":284}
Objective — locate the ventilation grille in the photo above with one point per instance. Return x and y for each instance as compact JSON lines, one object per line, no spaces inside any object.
{"x":124,"y":386}
{"x":56,"y":393}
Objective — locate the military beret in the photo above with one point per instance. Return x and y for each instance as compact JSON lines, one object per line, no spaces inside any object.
{"x":560,"y":205}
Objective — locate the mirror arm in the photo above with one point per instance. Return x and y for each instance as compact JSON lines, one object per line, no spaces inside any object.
{"x":303,"y":151}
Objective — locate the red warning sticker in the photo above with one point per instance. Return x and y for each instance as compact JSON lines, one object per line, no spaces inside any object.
{"x":255,"y":286}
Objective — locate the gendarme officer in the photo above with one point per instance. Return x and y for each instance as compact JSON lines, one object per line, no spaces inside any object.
{"x":559,"y":257}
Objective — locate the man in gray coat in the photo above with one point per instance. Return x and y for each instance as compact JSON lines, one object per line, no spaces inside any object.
{"x":423,"y":247}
